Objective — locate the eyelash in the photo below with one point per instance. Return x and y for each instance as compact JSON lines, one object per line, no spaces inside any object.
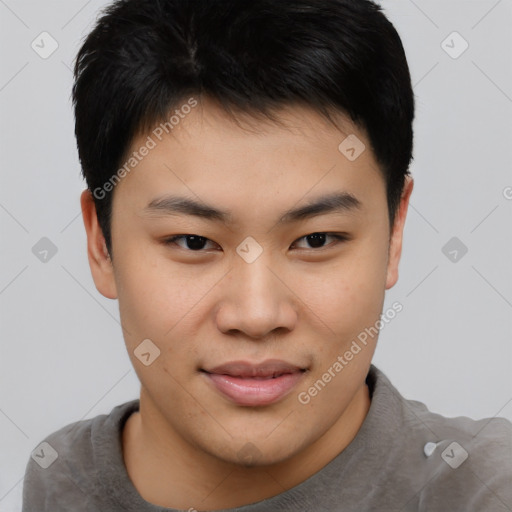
{"x":338,"y":237}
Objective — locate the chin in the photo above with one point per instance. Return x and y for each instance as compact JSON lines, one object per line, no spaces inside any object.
{"x":252,"y":454}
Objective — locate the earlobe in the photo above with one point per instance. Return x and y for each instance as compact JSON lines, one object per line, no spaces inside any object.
{"x":395,"y":246}
{"x":100,"y":263}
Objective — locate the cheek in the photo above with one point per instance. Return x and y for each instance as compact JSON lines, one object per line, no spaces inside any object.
{"x":156,"y":303}
{"x":348,"y":295}
{"x":163,"y":302}
{"x":154,"y":294}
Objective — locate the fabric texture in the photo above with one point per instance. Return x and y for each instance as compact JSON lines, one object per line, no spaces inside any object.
{"x":387,"y":467}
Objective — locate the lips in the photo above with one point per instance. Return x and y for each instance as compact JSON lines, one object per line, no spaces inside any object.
{"x":267,"y":369}
{"x":250,"y":384}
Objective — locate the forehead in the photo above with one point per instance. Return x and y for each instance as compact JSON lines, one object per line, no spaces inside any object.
{"x":287,"y":125}
{"x":249,"y":160}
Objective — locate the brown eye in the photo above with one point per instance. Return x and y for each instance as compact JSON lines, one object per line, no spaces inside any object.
{"x":190,"y":242}
{"x":318,"y":240}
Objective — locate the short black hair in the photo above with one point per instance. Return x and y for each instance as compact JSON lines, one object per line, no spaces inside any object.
{"x":146,"y":57}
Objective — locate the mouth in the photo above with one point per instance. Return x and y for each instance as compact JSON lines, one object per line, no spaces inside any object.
{"x":252,"y":385}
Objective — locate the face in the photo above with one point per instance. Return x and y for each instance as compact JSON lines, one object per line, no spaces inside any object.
{"x":244,"y":251}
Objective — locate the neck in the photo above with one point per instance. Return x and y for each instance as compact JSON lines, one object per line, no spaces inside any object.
{"x":195,"y":479}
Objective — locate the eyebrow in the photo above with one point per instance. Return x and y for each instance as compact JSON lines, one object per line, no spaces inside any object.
{"x":341,"y":202}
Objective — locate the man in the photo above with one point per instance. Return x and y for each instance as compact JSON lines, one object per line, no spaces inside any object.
{"x":247,"y":172}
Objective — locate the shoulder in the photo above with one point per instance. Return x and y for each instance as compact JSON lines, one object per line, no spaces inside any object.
{"x":62,"y":468}
{"x":482,"y":439}
{"x":470,"y":460}
{"x":475,"y":462}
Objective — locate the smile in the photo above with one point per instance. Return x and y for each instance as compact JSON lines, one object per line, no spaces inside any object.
{"x":254,"y":385}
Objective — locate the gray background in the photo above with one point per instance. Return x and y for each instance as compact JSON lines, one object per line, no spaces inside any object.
{"x":62,"y":353}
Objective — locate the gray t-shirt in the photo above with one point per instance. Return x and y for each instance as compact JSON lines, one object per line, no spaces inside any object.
{"x":391,"y":465}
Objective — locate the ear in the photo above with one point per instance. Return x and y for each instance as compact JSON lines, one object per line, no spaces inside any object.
{"x":395,"y":245}
{"x":100,"y":263}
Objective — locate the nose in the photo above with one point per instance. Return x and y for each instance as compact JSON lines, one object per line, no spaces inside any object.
{"x":256,"y":301}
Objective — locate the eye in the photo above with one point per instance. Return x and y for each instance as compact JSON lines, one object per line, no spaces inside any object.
{"x":197,"y":243}
{"x":319,"y":240}
{"x":191,"y":242}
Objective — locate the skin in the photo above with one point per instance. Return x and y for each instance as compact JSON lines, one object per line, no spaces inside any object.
{"x":297,"y":303}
